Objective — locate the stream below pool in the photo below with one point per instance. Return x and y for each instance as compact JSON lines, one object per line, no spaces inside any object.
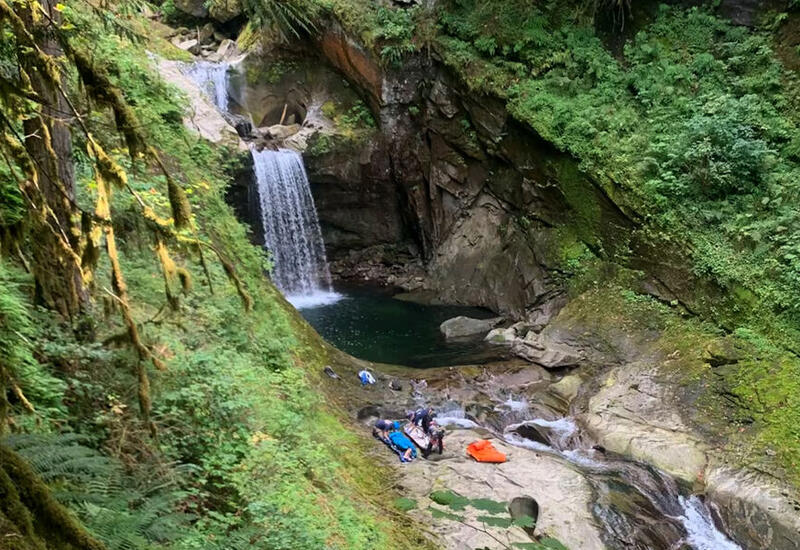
{"x":638,"y":506}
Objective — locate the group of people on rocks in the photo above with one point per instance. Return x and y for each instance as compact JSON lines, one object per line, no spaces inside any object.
{"x":389,"y":431}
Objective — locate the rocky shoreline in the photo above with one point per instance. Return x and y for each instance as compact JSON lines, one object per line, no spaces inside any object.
{"x":624,"y":405}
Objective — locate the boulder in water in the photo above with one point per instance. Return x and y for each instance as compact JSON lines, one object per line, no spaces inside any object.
{"x":459,"y":327}
{"x":521,"y":507}
{"x":501,"y":336}
{"x":531,"y":433}
{"x":227,"y":47}
{"x":567,"y":388}
{"x":242,"y":124}
{"x":191,"y":46}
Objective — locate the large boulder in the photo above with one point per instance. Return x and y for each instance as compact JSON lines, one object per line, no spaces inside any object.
{"x":205,"y":34}
{"x":283,"y":131}
{"x":195,"y":8}
{"x":759,"y":512}
{"x":191,"y":45}
{"x":225,"y":10}
{"x":501,"y":336}
{"x":535,"y":484}
{"x":227,"y":48}
{"x":459,"y":327}
{"x":549,"y":355}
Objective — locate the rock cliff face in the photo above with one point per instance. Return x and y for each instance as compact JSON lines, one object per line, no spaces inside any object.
{"x":493,"y":211}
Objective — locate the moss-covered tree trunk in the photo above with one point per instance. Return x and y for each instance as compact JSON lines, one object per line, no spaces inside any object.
{"x":30,"y":518}
{"x":48,"y":140}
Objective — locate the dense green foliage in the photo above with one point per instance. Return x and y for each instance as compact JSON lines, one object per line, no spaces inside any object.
{"x":697,"y":123}
{"x":693,"y":125}
{"x":286,"y":17}
{"x":247,"y":455}
{"x":685,"y":120}
{"x":694,"y":120}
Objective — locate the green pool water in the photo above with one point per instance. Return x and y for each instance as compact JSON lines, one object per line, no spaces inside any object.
{"x":370,"y":324}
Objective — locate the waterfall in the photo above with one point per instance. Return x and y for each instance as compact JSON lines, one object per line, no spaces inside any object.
{"x":291,"y":228}
{"x":288,"y":216}
{"x":212,"y":78}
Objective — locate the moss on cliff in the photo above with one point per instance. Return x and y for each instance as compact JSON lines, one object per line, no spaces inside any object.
{"x":738,"y":390}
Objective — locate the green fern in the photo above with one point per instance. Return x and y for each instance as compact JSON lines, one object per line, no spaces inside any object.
{"x":17,"y":336}
{"x":122,"y":513}
{"x":287,"y":17}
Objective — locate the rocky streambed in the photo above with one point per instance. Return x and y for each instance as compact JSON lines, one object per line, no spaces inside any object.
{"x":604,"y":447}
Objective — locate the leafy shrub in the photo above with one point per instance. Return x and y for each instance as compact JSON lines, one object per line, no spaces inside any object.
{"x":395,"y":32}
{"x":285,"y":17}
{"x":713,"y":155}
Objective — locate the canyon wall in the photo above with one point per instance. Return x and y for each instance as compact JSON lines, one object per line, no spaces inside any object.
{"x":497,"y":215}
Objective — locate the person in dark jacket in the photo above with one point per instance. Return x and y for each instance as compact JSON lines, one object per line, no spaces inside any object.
{"x":423,"y":417}
{"x":382,"y":428}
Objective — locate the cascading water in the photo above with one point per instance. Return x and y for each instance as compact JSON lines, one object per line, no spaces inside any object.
{"x":212,"y":78}
{"x":291,"y":228}
{"x":288,"y":216}
{"x":453,"y":414}
{"x":651,"y":497}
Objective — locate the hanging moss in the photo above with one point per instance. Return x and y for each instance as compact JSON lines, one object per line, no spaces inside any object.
{"x":186,"y":279}
{"x":90,"y":252}
{"x":112,"y":171}
{"x":181,"y":209}
{"x":102,"y":90}
{"x":145,"y":402}
{"x":230,"y":271}
{"x":3,"y":399}
{"x":169,"y":271}
{"x":18,"y":154}
{"x":46,"y":64}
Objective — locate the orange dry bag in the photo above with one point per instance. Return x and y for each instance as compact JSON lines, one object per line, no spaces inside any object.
{"x":484,"y":451}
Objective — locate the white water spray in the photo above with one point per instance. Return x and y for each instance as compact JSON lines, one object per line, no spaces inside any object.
{"x":212,"y":78}
{"x":702,"y":534}
{"x":562,"y":429}
{"x":291,"y":228}
{"x":518,"y":405}
{"x":454,"y":415}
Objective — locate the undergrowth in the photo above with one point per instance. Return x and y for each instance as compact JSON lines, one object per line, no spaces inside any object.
{"x":246,"y":454}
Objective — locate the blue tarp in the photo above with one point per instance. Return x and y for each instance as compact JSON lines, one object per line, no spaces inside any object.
{"x":403,"y":443}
